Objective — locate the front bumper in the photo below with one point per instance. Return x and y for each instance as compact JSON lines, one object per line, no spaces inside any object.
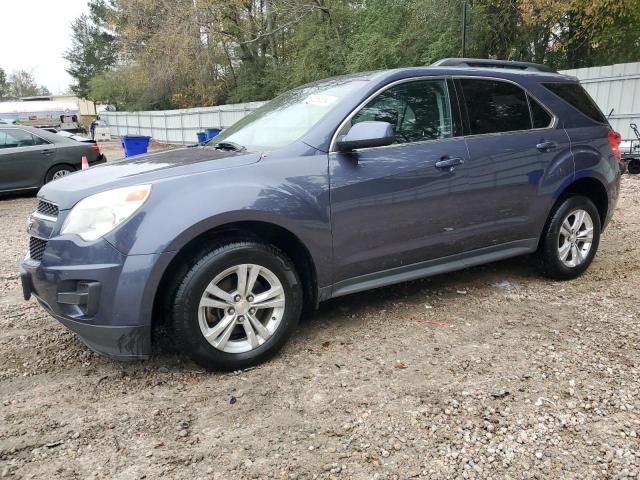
{"x":100,"y":294}
{"x":117,"y":342}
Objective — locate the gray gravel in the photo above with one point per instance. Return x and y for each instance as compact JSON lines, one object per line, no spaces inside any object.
{"x":492,"y":372}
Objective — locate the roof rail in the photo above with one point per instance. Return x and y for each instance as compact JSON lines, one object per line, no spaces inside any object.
{"x":486,"y":63}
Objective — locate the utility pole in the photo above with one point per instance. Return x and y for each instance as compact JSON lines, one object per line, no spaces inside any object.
{"x":464,"y":26}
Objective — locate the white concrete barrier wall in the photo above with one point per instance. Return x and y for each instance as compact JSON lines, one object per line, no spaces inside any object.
{"x":176,"y":126}
{"x":614,"y":87}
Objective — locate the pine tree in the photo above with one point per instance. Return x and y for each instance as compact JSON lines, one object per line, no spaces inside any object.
{"x":93,"y":49}
{"x":4,"y":86}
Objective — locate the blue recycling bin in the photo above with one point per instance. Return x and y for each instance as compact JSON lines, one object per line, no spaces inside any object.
{"x":202,"y":137}
{"x":134,"y":144}
{"x":212,"y":132}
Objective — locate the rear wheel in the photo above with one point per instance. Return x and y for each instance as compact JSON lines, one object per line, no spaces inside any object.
{"x":571,"y":239}
{"x":236,"y":306}
{"x":57,"y":172}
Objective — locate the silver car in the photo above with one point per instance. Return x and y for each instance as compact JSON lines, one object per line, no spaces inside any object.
{"x":31,"y":157}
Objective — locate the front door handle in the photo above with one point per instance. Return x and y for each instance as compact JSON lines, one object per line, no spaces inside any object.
{"x":547,"y":146}
{"x":448,"y":163}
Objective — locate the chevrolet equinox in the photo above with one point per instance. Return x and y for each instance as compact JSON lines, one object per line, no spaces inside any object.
{"x":338,"y":186}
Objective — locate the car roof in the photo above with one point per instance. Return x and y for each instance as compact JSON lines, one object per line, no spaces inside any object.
{"x":40,"y":132}
{"x":513,"y":74}
{"x":23,"y":127}
{"x":507,"y":73}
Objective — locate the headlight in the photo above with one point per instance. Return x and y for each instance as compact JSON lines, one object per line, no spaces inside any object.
{"x":98,"y":214}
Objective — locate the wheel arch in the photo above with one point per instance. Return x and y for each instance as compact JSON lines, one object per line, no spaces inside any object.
{"x":54,"y":166}
{"x":594,"y":190}
{"x":590,"y":187}
{"x":266,"y":232}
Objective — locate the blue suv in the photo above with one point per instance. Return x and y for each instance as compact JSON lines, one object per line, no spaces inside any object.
{"x":342,"y":185}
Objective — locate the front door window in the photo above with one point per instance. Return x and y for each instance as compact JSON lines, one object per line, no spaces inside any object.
{"x":14,"y":138}
{"x":418,"y":111}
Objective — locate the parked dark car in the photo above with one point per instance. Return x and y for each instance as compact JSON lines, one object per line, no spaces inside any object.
{"x":343,"y":185}
{"x":31,"y":157}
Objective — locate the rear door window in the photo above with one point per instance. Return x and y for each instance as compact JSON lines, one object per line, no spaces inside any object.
{"x":39,"y":141}
{"x":494,"y":106}
{"x":577,"y":97}
{"x":3,"y":138}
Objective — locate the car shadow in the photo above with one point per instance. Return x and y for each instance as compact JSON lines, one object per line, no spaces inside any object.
{"x":18,"y":195}
{"x":515,"y":270}
{"x":344,"y":310}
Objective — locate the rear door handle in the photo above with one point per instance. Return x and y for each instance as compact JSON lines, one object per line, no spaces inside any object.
{"x":449,"y":162}
{"x":46,"y":152}
{"x":546,"y":146}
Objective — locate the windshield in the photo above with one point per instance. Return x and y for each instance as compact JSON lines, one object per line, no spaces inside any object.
{"x":289,"y":116}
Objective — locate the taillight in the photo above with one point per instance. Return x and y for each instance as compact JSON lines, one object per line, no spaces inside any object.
{"x":614,"y":142}
{"x":96,"y":148}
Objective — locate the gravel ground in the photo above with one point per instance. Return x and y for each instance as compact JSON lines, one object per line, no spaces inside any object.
{"x":491,"y":372}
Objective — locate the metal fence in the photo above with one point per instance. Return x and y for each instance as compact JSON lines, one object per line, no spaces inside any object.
{"x":615,"y":88}
{"x":176,"y":126}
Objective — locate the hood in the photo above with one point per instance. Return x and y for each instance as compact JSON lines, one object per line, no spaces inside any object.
{"x":141,"y":169}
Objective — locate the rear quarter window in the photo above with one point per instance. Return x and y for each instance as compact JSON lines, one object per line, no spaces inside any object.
{"x":577,"y":97}
{"x":541,"y":118}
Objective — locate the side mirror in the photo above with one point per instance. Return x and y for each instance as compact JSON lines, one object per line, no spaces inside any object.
{"x":367,"y":135}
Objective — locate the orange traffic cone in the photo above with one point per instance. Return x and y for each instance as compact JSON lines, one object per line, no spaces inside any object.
{"x":85,"y":163}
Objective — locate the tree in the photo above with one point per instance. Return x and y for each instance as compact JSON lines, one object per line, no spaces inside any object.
{"x":121,"y":87}
{"x":397,"y":33}
{"x":4,"y":86}
{"x":22,"y":84}
{"x":583,"y":33}
{"x":92,"y":52}
{"x":186,"y":53}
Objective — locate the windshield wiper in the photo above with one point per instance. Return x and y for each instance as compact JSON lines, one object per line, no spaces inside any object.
{"x":229,"y":146}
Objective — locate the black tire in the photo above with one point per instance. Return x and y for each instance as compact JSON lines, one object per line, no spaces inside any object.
{"x":57,"y":169}
{"x":191,"y":283}
{"x":549,"y":259}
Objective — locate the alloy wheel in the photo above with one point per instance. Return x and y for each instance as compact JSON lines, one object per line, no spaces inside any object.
{"x":576,"y":238}
{"x":241,"y":308}
{"x":60,"y":174}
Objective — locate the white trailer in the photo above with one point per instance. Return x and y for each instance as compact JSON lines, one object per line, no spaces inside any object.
{"x":43,"y":113}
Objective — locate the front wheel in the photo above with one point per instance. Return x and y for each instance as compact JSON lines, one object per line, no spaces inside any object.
{"x":237,"y":305}
{"x":571,"y":239}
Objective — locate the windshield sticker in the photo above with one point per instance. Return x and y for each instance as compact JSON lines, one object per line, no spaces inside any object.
{"x":320,"y":100}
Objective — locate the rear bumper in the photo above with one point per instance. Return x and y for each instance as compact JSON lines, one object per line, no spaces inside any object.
{"x":102,"y":158}
{"x":613,"y":193}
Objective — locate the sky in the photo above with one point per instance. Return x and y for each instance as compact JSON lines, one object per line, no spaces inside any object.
{"x":34,"y":35}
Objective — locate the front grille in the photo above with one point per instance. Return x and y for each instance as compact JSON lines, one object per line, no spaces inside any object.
{"x":36,"y":248}
{"x":47,"y":208}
